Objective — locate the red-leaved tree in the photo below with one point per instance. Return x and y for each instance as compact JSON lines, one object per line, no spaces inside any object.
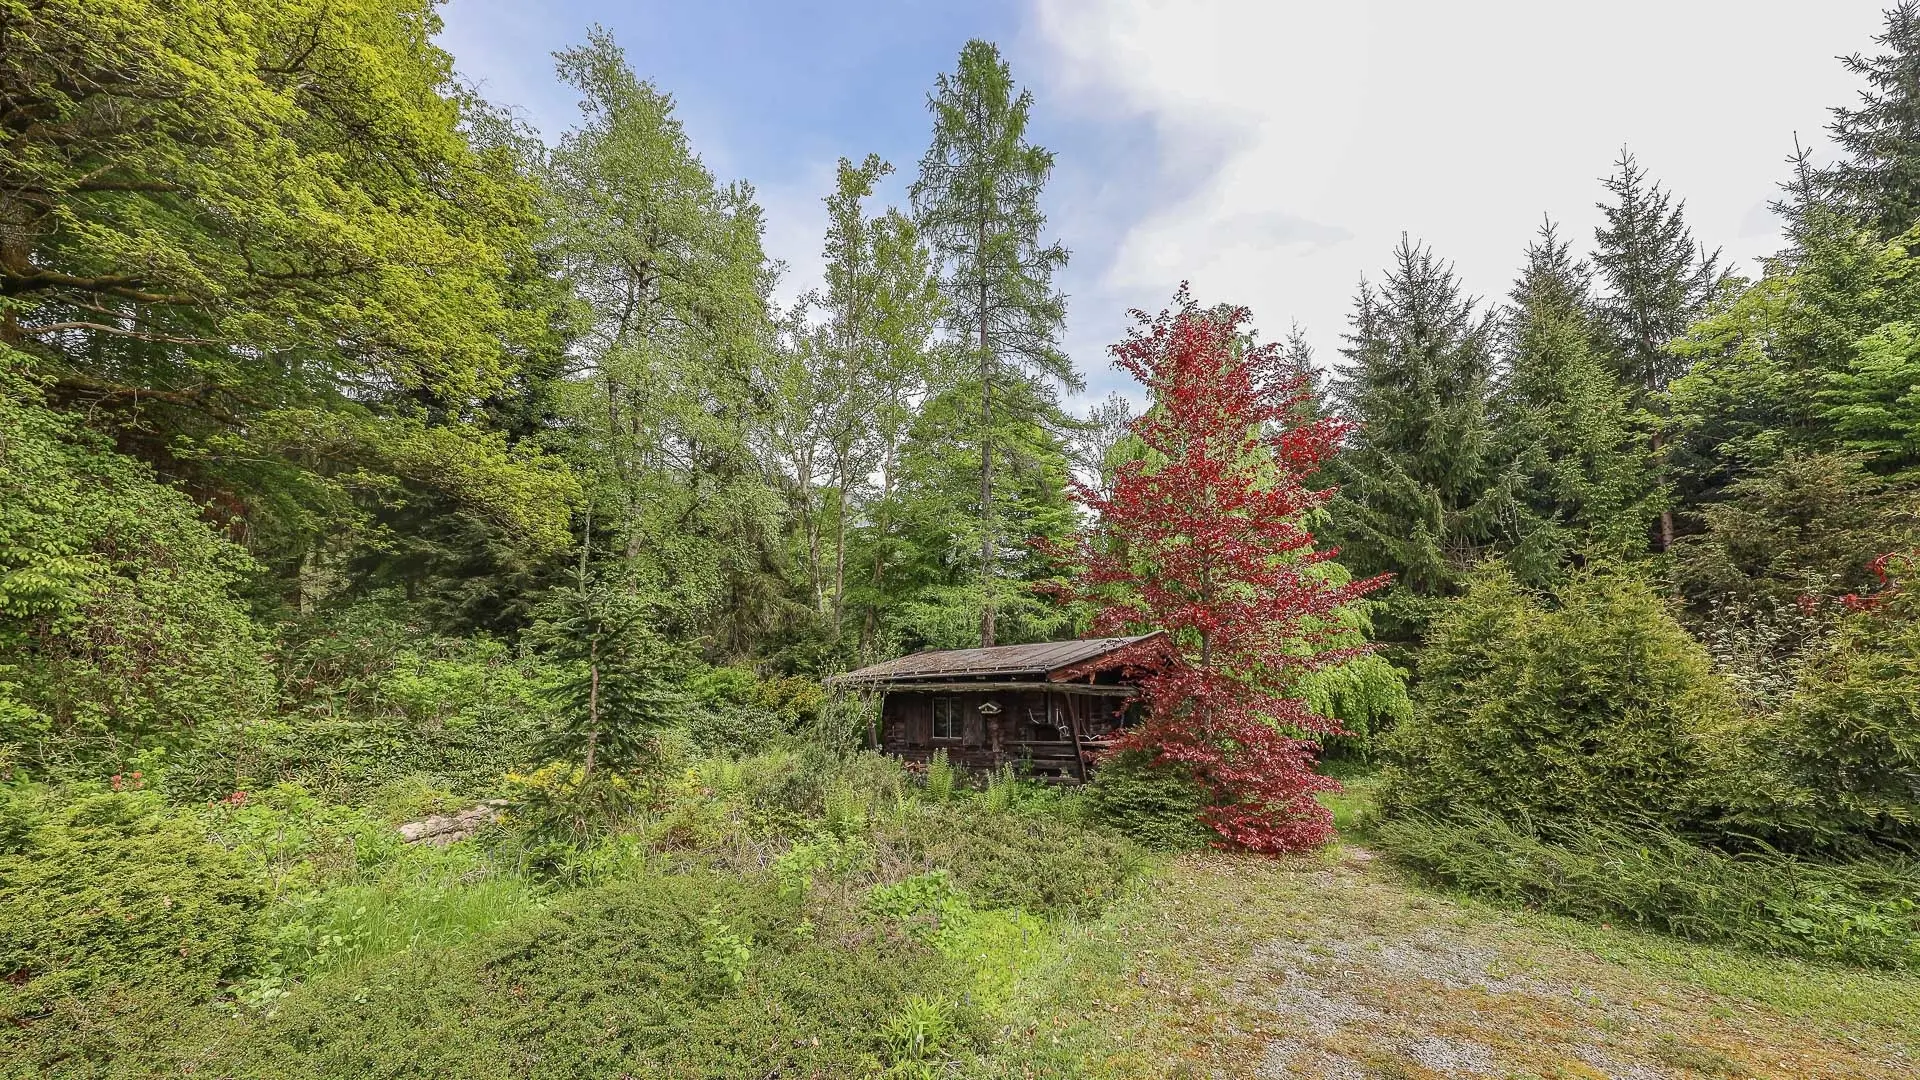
{"x":1204,"y":536}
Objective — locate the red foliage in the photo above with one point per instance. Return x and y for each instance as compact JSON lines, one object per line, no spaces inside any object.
{"x":1206,"y":539}
{"x":1892,"y":570}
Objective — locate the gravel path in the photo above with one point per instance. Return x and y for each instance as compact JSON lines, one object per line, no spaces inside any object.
{"x":1380,"y":980}
{"x":1339,"y":968}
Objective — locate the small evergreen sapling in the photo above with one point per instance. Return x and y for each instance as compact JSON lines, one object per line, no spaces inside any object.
{"x":619,"y":689}
{"x":1204,"y":536}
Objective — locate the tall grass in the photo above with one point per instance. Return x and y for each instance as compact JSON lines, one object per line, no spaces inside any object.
{"x":435,"y":905}
{"x":1863,"y":912}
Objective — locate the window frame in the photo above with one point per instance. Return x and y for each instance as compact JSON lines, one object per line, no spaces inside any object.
{"x":955,"y":716}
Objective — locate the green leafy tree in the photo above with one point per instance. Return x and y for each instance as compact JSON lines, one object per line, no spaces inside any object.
{"x":1423,"y":494}
{"x":850,"y":384}
{"x":1817,"y":356}
{"x":121,"y":625}
{"x":977,"y":201}
{"x":250,"y":237}
{"x":935,"y":590}
{"x":1564,"y":419}
{"x":670,"y":285}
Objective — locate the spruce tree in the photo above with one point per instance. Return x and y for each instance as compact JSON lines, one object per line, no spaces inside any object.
{"x":1565,"y":422}
{"x":1422,"y":493}
{"x":1878,"y":177}
{"x":1658,"y":282}
{"x":977,"y":201}
{"x":1658,"y":278}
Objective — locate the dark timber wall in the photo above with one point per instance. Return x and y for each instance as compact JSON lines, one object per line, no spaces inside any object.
{"x":1045,"y":729}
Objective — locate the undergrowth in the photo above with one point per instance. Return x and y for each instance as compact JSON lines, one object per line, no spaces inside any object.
{"x":1861,"y":912}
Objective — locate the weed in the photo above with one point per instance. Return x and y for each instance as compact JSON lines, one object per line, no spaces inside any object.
{"x":725,"y":952}
{"x":917,"y":1037}
{"x":1681,"y":1054}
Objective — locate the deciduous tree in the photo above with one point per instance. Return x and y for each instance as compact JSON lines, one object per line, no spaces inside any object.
{"x":1204,"y":536}
{"x":978,"y":203}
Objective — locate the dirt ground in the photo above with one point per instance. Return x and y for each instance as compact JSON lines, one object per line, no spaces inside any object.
{"x":1341,"y":969}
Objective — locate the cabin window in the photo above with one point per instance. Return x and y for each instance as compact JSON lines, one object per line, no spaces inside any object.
{"x":947,"y":723}
{"x":1039,"y":720}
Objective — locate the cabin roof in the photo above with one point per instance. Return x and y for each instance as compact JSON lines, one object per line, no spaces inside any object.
{"x":1042,"y":661}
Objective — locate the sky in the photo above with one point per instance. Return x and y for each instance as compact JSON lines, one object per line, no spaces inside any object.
{"x":1271,"y":152}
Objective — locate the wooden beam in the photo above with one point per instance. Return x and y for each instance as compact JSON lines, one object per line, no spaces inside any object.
{"x":1034,"y":687}
{"x":1073,"y":723}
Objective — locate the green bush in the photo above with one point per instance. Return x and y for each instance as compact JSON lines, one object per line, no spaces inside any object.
{"x":113,"y":892}
{"x":741,"y":713}
{"x":645,"y":977}
{"x":1015,"y":860}
{"x":1157,"y":806}
{"x":119,"y":624}
{"x":373,"y":706}
{"x":1859,"y":912}
{"x":1849,"y":734}
{"x":1592,"y":704}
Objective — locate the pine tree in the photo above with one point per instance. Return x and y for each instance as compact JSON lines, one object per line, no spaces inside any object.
{"x":1878,"y":178}
{"x":1565,"y":421}
{"x":1422,"y":494}
{"x":977,"y":201}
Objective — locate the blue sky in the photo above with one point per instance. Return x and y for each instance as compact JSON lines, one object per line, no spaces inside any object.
{"x":1271,"y":151}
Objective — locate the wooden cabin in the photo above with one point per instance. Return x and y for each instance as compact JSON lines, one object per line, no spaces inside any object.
{"x":1047,"y":707}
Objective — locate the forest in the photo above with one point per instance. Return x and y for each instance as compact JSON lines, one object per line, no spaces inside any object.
{"x":426,"y":547}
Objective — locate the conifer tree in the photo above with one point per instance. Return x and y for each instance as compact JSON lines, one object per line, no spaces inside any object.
{"x":1564,"y":420}
{"x":1658,"y":278}
{"x":977,"y":201}
{"x":1422,"y":494}
{"x":1658,"y":282}
{"x":1878,"y":178}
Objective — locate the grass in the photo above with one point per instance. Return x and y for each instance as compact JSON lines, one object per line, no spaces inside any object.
{"x":1860,"y":912}
{"x":750,"y":929}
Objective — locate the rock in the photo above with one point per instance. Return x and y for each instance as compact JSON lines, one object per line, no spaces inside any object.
{"x":442,"y":829}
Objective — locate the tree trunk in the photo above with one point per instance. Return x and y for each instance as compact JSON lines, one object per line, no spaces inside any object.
{"x":593,"y":713}
{"x":840,"y":555}
{"x":986,"y":457}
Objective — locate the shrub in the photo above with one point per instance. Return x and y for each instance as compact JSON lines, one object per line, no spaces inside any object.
{"x":1013,"y":860}
{"x":1591,"y":704}
{"x":1849,"y":734}
{"x":1156,"y":805}
{"x":1859,"y":912}
{"x":1803,"y":528}
{"x":616,"y":980}
{"x":372,"y":705}
{"x":113,"y":892}
{"x":741,"y":713}
{"x":119,"y":623}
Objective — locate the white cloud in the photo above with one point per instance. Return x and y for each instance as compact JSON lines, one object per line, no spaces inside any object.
{"x":796,"y":217}
{"x":1294,"y":141}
